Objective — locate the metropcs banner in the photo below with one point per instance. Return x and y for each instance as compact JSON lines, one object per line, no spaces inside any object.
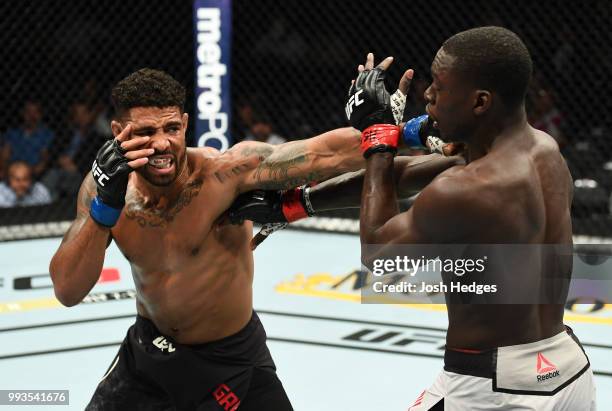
{"x":212,"y":39}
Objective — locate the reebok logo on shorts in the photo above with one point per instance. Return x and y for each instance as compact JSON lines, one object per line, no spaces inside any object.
{"x":545,"y":369}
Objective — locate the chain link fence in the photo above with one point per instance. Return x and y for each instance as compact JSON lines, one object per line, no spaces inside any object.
{"x":292,"y":62}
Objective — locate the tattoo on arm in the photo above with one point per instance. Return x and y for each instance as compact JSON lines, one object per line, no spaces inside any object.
{"x":262,"y":151}
{"x":291,"y":182}
{"x":273,"y":167}
{"x":85,"y":197}
{"x":283,"y":168}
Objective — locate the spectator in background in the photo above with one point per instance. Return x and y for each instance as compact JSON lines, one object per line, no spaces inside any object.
{"x":30,"y":141}
{"x":543,"y":114}
{"x":91,"y":95}
{"x":74,"y":152}
{"x":261,"y":130}
{"x":20,"y":191}
{"x":246,"y":113}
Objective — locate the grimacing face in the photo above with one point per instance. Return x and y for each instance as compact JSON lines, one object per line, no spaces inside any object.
{"x":166,"y":128}
{"x":449,"y":99}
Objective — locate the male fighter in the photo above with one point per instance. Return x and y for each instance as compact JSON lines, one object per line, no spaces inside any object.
{"x":196,"y":342}
{"x":514,"y":189}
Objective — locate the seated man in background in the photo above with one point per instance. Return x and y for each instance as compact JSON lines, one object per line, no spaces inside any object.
{"x":30,"y":141}
{"x":261,"y":130}
{"x":20,"y":191}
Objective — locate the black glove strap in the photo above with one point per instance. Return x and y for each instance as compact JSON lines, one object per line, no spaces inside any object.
{"x":383,"y":148}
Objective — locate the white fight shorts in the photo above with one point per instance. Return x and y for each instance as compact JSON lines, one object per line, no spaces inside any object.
{"x":553,"y":374}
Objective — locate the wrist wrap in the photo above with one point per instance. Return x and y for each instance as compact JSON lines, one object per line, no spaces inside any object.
{"x":379,"y":138}
{"x":104,"y":214}
{"x":293,"y":207}
{"x":412,"y":131}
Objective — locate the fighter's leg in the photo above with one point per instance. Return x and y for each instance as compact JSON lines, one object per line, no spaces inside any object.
{"x":432,"y":399}
{"x":266,"y":392}
{"x":122,"y":389}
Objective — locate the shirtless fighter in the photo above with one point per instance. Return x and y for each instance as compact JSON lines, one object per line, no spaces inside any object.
{"x":196,"y":342}
{"x":515,"y":188}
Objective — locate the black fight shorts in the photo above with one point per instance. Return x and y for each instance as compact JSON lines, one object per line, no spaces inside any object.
{"x":153,"y":372}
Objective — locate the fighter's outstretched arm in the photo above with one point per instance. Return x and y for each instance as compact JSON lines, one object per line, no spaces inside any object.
{"x":275,"y":208}
{"x":410,"y":175}
{"x":264,"y":166}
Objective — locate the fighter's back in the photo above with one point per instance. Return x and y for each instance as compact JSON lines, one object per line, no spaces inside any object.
{"x":519,"y":193}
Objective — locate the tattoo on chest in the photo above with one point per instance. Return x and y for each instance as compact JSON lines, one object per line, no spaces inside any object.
{"x":149,"y":215}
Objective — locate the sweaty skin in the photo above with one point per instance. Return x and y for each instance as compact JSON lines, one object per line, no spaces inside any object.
{"x":514,"y":189}
{"x":193,"y":276}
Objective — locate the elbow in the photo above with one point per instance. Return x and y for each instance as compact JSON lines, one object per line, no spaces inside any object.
{"x":66,"y":296}
{"x":63,"y":293}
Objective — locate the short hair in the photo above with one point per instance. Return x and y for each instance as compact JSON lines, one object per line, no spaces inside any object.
{"x":19,"y":164}
{"x":493,"y":58}
{"x":147,"y":88}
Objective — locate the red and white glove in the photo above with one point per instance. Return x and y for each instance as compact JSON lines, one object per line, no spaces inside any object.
{"x":380,"y":138}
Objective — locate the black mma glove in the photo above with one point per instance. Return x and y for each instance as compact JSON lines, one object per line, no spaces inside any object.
{"x":274,"y":209}
{"x":271,"y":206}
{"x":110,"y":172}
{"x":369,"y":101}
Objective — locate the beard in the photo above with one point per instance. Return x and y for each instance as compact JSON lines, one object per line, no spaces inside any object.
{"x":164,"y":180}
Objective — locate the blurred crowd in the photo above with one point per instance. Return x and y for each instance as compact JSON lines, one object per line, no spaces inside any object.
{"x":39,"y":164}
{"x":289,"y":82}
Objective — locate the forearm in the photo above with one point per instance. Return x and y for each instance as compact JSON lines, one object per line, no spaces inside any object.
{"x":411,"y":174}
{"x":76,"y":266}
{"x":378,"y":198}
{"x":292,"y":164}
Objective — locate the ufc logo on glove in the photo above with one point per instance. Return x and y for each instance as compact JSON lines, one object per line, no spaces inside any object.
{"x":353,"y":102}
{"x":98,"y":174}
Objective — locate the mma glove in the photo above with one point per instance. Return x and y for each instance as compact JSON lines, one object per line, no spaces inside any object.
{"x":266,"y":207}
{"x":369,"y":102}
{"x":274,"y":209}
{"x":371,"y":109}
{"x":110,"y":171}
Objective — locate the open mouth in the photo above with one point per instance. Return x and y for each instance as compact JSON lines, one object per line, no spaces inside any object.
{"x":161,"y":163}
